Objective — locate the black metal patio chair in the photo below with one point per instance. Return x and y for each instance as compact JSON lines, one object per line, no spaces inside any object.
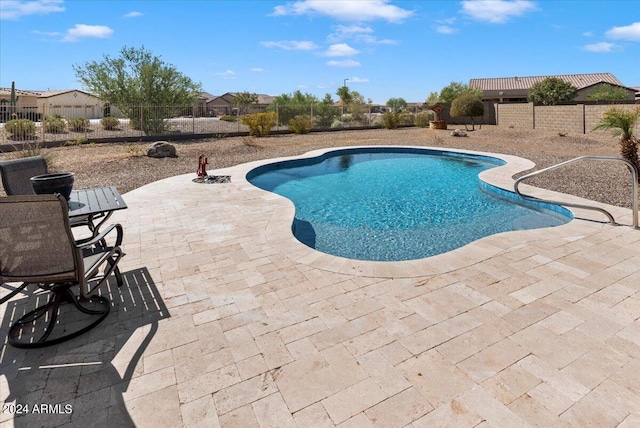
{"x":16,"y":175}
{"x":38,"y":247}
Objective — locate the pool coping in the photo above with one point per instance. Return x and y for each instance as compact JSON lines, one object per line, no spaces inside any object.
{"x":279,"y":235}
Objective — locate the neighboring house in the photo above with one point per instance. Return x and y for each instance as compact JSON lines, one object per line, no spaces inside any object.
{"x":72,"y":103}
{"x":516,"y":89}
{"x":26,"y":105}
{"x":637,"y":89}
{"x":224,"y":104}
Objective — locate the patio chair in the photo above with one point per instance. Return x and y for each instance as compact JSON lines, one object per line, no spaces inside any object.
{"x":38,"y":247}
{"x":16,"y":176}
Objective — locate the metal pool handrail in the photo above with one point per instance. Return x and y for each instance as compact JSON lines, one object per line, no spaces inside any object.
{"x":634,"y":187}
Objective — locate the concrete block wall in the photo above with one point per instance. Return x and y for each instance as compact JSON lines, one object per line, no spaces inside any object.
{"x":516,"y":115}
{"x":569,"y":118}
{"x":577,"y":118}
{"x":593,"y":113}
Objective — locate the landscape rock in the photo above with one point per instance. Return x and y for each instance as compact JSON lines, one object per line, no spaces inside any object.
{"x":161,"y":149}
{"x":458,"y":133}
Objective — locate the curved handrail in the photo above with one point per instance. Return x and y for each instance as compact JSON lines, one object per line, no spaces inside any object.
{"x":634,"y":187}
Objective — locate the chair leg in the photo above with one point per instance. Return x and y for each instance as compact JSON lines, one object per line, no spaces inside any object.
{"x":23,"y":333}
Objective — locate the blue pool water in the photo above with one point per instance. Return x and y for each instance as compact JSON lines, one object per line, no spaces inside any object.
{"x":397,"y":204}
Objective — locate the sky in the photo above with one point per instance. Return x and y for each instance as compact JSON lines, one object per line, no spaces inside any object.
{"x":385,"y":49}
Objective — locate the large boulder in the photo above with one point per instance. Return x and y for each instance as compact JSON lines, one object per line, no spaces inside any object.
{"x":161,"y":149}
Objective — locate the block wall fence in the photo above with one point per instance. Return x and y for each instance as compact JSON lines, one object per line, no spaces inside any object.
{"x":577,"y":118}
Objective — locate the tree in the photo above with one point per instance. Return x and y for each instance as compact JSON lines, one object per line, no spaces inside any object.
{"x":552,"y":91}
{"x":291,"y":105}
{"x":455,"y":89}
{"x":345,"y":96}
{"x":607,"y":92}
{"x":145,"y":88}
{"x":433,"y":98}
{"x":396,"y":104}
{"x":244,"y":100}
{"x":622,"y":122}
{"x":467,"y":105}
{"x":325,"y":112}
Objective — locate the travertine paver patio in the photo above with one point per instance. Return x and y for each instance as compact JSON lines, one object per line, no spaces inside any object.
{"x":226,"y":320}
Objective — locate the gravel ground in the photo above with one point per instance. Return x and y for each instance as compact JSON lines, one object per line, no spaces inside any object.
{"x":125,"y":165}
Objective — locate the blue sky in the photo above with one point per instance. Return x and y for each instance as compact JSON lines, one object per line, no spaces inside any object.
{"x":385,"y":48}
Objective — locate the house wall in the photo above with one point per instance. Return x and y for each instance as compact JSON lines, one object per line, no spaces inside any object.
{"x":577,"y":118}
{"x":72,"y":104}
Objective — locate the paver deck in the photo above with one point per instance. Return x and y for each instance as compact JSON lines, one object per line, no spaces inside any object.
{"x":227,"y":320}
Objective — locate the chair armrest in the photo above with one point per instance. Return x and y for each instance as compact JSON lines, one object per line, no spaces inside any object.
{"x":88,"y":242}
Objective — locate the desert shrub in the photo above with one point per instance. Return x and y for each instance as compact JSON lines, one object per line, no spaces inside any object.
{"x":469,"y":106}
{"x":21,"y":129}
{"x":347,"y":117}
{"x":54,"y":124}
{"x":109,"y":123}
{"x":407,"y":119}
{"x":78,"y":124}
{"x":301,"y":124}
{"x":228,"y":118}
{"x":378,"y":122}
{"x":336,"y":124}
{"x":390,"y":120}
{"x":422,"y":119}
{"x":259,"y":124}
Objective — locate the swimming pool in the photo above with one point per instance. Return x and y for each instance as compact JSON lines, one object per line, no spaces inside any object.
{"x":397,"y":203}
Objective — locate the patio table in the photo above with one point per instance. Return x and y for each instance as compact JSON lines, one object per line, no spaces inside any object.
{"x":96,"y":203}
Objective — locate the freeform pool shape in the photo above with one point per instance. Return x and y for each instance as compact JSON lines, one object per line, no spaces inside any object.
{"x":394,"y":204}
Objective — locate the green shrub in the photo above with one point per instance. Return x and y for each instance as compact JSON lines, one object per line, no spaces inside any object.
{"x":347,"y":117}
{"x":110,"y":123}
{"x":469,"y":106}
{"x":54,"y":124}
{"x":336,"y":124}
{"x":407,"y":118}
{"x":390,"y":120}
{"x":378,"y":122}
{"x":21,"y":129}
{"x":259,"y":124}
{"x":301,"y":124}
{"x":78,"y":124}
{"x":422,"y":119}
{"x":228,"y":118}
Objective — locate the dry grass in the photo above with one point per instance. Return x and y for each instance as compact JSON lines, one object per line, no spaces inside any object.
{"x":125,"y":166}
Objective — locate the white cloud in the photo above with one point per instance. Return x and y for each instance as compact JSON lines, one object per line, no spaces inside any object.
{"x":588,"y":34}
{"x":14,"y":9}
{"x":630,"y":33}
{"x":46,"y":33}
{"x":133,"y":14}
{"x":356,"y":79}
{"x":83,"y":31}
{"x":346,"y":10}
{"x":341,"y":49}
{"x":445,"y":29}
{"x":599,"y":47}
{"x":496,"y":11}
{"x":257,"y":70}
{"x":348,"y":32}
{"x":227,"y":74}
{"x":291,"y":45}
{"x":344,"y":63}
{"x":357,"y":33}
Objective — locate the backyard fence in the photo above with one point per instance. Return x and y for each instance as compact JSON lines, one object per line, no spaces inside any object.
{"x":52,"y":124}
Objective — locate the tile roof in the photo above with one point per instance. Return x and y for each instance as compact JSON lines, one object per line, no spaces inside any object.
{"x":525,"y":82}
{"x":7,"y":91}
